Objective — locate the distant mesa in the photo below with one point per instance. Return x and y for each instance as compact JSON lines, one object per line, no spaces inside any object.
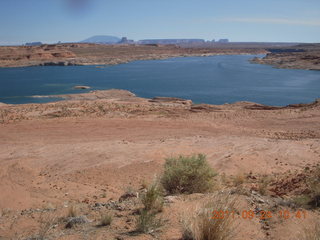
{"x":125,"y":40}
{"x":225,"y":40}
{"x":170,"y":41}
{"x":102,"y":39}
{"x":81,"y":87}
{"x":106,"y":39}
{"x":33,"y":44}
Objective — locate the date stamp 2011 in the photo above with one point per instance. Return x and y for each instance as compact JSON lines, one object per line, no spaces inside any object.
{"x":262,"y":215}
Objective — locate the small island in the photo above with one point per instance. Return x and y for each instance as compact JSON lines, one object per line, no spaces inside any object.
{"x":81,"y":87}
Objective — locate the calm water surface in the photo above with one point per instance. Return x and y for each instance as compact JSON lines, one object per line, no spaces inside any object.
{"x":215,"y":80}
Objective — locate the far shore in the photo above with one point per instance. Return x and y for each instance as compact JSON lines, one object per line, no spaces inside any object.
{"x":91,"y":54}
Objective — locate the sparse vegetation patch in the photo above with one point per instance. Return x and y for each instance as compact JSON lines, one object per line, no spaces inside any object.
{"x":198,"y":223}
{"x":147,"y":222}
{"x":314,"y":185}
{"x":152,"y":199}
{"x":187,"y":174}
{"x":106,"y":220}
{"x":72,"y":211}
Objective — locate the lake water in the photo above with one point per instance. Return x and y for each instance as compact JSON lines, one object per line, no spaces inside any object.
{"x":215,"y":80}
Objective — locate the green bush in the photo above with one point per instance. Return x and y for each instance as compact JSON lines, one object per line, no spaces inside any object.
{"x":147,"y":222}
{"x":187,"y":174}
{"x":302,"y":201}
{"x":153,"y":198}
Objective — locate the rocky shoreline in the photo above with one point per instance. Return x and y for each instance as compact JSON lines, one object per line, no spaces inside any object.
{"x":291,"y":61}
{"x":302,"y":57}
{"x":114,"y":101}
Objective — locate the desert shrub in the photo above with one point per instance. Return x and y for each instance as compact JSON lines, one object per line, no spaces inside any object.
{"x":147,"y":222}
{"x":72,"y":211}
{"x":314,"y":187}
{"x":263,"y":185}
{"x":187,"y":174}
{"x":152,"y":199}
{"x":46,"y":224}
{"x":5,"y":212}
{"x":310,"y":199}
{"x":301,"y":201}
{"x":144,"y":184}
{"x":106,"y":220}
{"x":239,"y":179}
{"x":198,"y":224}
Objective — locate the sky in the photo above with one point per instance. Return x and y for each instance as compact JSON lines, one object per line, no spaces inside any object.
{"x":50,"y":21}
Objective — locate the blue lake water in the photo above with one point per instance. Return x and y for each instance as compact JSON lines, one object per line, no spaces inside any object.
{"x":215,"y":80}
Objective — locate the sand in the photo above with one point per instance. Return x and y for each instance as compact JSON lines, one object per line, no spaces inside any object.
{"x":83,"y":151}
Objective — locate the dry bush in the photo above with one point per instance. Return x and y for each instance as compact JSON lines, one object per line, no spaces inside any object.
{"x":239,"y":179}
{"x":224,"y":179}
{"x":263,"y":185}
{"x":198,"y":224}
{"x":72,"y":211}
{"x":311,"y":199}
{"x":314,"y":187}
{"x":152,"y":199}
{"x":187,"y":174}
{"x":144,"y":184}
{"x":106,"y":220}
{"x":46,"y":223}
{"x":147,"y":222}
{"x":5,"y":212}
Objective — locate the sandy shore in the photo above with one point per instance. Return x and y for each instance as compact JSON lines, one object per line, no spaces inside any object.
{"x":91,"y":148}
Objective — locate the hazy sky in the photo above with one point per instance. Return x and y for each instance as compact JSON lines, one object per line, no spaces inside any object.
{"x":239,"y":20}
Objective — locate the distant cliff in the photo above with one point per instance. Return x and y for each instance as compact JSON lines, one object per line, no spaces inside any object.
{"x":170,"y":41}
{"x":102,"y":39}
{"x":33,"y":44}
